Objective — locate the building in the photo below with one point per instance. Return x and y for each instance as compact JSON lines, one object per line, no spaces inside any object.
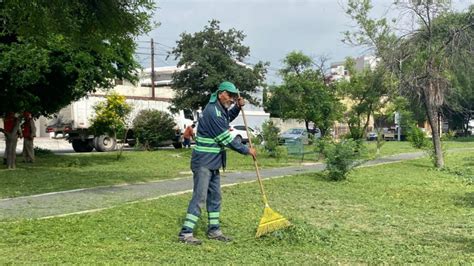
{"x":338,"y":70}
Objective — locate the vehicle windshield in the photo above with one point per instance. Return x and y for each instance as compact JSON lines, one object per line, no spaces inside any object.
{"x":295,"y":131}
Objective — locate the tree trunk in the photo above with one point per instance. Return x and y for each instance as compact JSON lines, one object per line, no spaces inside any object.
{"x":11,"y":139}
{"x":323,"y":131}
{"x":432,"y":113}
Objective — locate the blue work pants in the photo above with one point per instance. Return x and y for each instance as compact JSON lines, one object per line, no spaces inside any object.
{"x":206,"y":190}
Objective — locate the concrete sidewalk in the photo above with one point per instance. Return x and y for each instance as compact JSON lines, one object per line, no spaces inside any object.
{"x":93,"y":199}
{"x":54,"y":145}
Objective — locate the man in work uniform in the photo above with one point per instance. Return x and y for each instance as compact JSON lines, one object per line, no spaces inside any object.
{"x":208,"y":156}
{"x":29,"y":133}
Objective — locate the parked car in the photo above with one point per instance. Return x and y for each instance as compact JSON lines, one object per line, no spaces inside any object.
{"x":316,"y":133}
{"x":372,"y":136}
{"x":293,"y":134}
{"x":239,"y":132}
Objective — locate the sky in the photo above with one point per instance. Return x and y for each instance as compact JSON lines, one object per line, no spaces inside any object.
{"x":273,"y":28}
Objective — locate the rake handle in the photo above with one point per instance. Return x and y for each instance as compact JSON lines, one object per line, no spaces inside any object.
{"x":259,"y":178}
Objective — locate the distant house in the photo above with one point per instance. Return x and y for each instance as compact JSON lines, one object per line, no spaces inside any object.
{"x":338,"y":70}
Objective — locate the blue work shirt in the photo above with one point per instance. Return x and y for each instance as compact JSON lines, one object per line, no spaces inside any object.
{"x":213,"y":135}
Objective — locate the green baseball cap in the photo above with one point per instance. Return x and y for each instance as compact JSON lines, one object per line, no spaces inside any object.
{"x":228,"y":86}
{"x":224,"y":86}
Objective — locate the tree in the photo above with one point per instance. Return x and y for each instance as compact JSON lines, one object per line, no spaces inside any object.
{"x":460,"y":102}
{"x":210,"y":57}
{"x":368,"y":91}
{"x":304,"y":95}
{"x":55,"y":52}
{"x":270,"y":134}
{"x":419,"y":57}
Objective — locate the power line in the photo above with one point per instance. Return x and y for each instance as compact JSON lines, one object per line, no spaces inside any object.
{"x":141,"y":53}
{"x":167,"y":46}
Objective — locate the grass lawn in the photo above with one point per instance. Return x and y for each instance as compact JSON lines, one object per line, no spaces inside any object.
{"x":64,"y":172}
{"x":395,"y":213}
{"x":396,"y":147}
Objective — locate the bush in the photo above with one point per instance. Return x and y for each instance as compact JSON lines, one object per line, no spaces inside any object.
{"x":320,"y":144}
{"x":340,"y":157}
{"x":152,"y":127}
{"x":417,"y":137}
{"x":110,"y":116}
{"x":40,"y":151}
{"x":257,"y":140}
{"x":449,"y":136}
{"x":270,"y":135}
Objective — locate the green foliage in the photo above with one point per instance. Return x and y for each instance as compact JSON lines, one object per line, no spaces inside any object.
{"x":417,"y":137}
{"x":320,"y":144}
{"x":210,"y":57}
{"x":111,"y":115}
{"x":422,"y":58}
{"x":257,"y":140}
{"x":340,"y":157}
{"x":419,"y":140}
{"x":460,"y":102}
{"x":368,"y":92}
{"x":152,"y":127}
{"x":450,"y":135}
{"x":55,"y":52}
{"x":410,"y":112}
{"x":304,"y":94}
{"x":270,"y":134}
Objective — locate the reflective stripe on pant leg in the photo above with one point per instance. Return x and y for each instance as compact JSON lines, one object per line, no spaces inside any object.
{"x":213,"y":218}
{"x":190,"y":221}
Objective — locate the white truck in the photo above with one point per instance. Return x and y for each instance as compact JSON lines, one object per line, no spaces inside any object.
{"x":73,"y":122}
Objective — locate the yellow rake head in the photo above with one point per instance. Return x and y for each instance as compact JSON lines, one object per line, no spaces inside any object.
{"x":271,"y":221}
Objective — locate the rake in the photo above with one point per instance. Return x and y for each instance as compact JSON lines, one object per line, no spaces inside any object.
{"x":271,"y":220}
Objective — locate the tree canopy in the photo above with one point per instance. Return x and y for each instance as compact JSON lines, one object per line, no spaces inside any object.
{"x":368,"y":91}
{"x":459,"y":105}
{"x":420,"y":57}
{"x":304,"y":95}
{"x":210,"y":57}
{"x":53,"y":52}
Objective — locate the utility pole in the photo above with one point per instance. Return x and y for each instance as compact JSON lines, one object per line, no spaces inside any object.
{"x":152,"y":69}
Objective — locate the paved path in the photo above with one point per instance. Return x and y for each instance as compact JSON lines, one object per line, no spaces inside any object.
{"x":93,"y":199}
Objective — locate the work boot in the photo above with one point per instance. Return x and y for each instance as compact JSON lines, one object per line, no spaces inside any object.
{"x":218,"y":235}
{"x":188,"y":238}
